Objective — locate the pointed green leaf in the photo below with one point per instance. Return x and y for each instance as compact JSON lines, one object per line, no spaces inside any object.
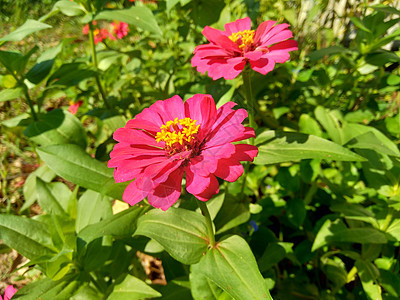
{"x":122,"y":224}
{"x":92,"y":208}
{"x":276,"y":147}
{"x":181,"y":232}
{"x":74,"y":164}
{"x":11,"y":94}
{"x":30,"y":193}
{"x":49,"y":198}
{"x":57,"y":127}
{"x":48,"y":289}
{"x":29,"y":237}
{"x":368,"y":274}
{"x":30,"y":26}
{"x":232,"y":266}
{"x":132,"y":288}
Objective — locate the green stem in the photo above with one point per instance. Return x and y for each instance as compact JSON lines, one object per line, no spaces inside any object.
{"x":95,"y":64}
{"x":204,"y":210}
{"x":30,"y":103}
{"x":251,"y":104}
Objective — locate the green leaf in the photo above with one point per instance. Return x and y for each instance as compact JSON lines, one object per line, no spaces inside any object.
{"x":57,"y":127}
{"x":132,"y":288}
{"x":11,"y":94}
{"x":29,"y":237}
{"x":139,"y":16}
{"x":309,"y":125}
{"x":273,"y":254}
{"x":232,"y":266}
{"x":296,"y":211}
{"x":276,"y":147}
{"x":394,"y":229}
{"x":359,"y":23}
{"x":30,"y":26}
{"x":30,"y":194}
{"x":233,"y":213}
{"x":92,"y":208}
{"x":202,"y":287}
{"x":43,"y":64}
{"x":356,"y":130}
{"x":74,"y":164}
{"x":48,"y":289}
{"x":331,"y":122}
{"x":386,"y":8}
{"x":48,"y":197}
{"x":337,"y":232}
{"x":369,"y":140}
{"x":335,"y":271}
{"x":368,"y":274}
{"x":71,"y":74}
{"x":182,"y":233}
{"x":68,"y":8}
{"x":122,"y":224}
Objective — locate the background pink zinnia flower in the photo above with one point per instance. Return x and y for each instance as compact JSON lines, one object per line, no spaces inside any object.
{"x":120,"y":29}
{"x":228,"y":51}
{"x":74,"y":106}
{"x":172,"y":138}
{"x":9,"y":293}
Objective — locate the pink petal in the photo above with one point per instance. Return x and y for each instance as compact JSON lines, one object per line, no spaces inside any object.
{"x":201,"y":108}
{"x":273,"y":35}
{"x":219,"y":37}
{"x":169,"y":109}
{"x":263,"y":65}
{"x":229,"y":169}
{"x":205,"y":187}
{"x":134,"y":163}
{"x":130,"y":151}
{"x":246,"y":134}
{"x":206,"y":163}
{"x":245,"y":152}
{"x":133,"y":192}
{"x":238,"y":25}
{"x":262,"y":30}
{"x":124,"y":174}
{"x":168,"y":192}
{"x":9,"y":292}
{"x":133,"y":136}
{"x":148,"y":125}
{"x":221,"y":67}
{"x":253,"y":55}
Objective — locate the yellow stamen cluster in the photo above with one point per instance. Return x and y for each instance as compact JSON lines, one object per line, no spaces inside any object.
{"x":246,"y":37}
{"x":177,"y":131}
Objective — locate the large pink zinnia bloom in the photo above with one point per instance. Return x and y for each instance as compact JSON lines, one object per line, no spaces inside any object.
{"x":172,"y":138}
{"x":9,"y":292}
{"x":228,"y":51}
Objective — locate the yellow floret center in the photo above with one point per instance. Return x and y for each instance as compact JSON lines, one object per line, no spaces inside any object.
{"x":178,"y":131}
{"x":245,"y":37}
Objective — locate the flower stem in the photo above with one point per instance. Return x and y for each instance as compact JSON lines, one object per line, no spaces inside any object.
{"x":30,"y":103}
{"x":251,"y":105}
{"x":204,"y":211}
{"x":95,"y":64}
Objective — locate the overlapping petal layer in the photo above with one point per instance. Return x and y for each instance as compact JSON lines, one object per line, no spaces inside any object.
{"x":203,"y":155}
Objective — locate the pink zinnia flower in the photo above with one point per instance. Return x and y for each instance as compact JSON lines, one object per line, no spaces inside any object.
{"x":9,"y":293}
{"x":172,"y":138}
{"x":73,"y":107}
{"x":120,"y":29}
{"x":228,"y":51}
